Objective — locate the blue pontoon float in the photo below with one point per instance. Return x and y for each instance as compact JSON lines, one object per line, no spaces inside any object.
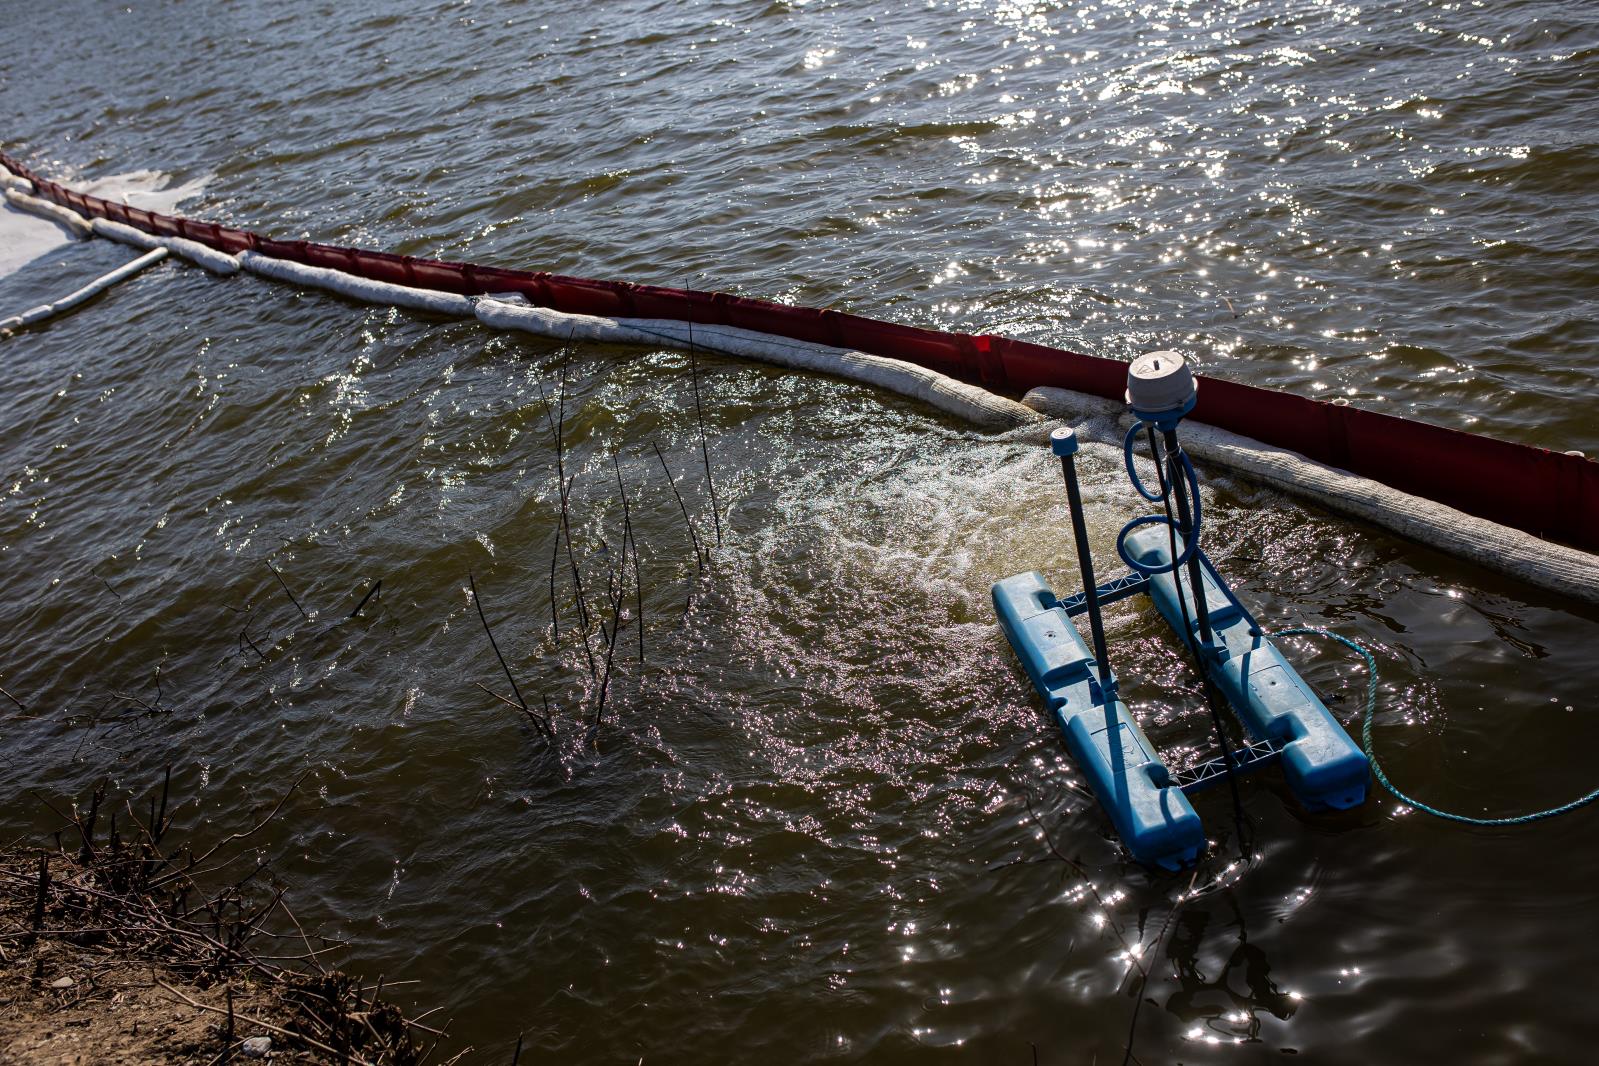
{"x":1283,"y":720}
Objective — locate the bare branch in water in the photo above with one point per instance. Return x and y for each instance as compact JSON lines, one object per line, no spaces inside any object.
{"x":555,"y":611}
{"x":245,"y":638}
{"x":627,"y":539}
{"x":542,"y":724}
{"x":23,"y":707}
{"x":286,"y":589}
{"x":699,"y":413}
{"x":477,"y":601}
{"x":555,"y":552}
{"x":565,"y":485}
{"x":371,"y":592}
{"x":617,"y":589}
{"x":699,"y":556}
{"x":605,"y":681}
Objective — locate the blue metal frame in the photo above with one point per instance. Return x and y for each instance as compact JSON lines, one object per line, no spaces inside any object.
{"x":1111,"y":591}
{"x":1255,"y":755}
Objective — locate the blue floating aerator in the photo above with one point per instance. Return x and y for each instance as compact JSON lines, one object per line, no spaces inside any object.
{"x":1282,"y":717}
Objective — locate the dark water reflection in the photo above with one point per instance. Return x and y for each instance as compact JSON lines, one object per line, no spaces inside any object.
{"x":812,"y":826}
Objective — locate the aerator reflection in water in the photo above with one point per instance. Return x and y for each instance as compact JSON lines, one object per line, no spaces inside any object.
{"x":1283,"y":720}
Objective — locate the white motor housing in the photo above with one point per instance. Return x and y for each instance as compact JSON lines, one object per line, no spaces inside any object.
{"x":1158,"y":382}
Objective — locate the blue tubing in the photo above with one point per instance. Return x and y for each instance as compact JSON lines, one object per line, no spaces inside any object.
{"x":1132,"y":472}
{"x":1144,"y":568}
{"x":1376,"y":768}
{"x":1190,"y":537}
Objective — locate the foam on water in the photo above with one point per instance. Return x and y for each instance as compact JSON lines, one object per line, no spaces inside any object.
{"x":25,"y":237}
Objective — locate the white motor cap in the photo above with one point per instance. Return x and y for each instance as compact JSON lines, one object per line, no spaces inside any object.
{"x":1159,"y":381}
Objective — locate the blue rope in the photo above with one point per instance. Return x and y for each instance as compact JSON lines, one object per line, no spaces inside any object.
{"x":1376,"y":768}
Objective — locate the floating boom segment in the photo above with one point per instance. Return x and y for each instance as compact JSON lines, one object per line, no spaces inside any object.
{"x":1548,"y":494}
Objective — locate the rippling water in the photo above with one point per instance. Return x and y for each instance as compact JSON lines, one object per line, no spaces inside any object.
{"x":806,"y":830}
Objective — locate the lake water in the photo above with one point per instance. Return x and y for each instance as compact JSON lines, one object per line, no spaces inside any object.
{"x":801,"y":831}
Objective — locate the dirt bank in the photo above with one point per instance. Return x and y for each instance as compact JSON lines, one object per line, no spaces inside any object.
{"x":131,"y":948}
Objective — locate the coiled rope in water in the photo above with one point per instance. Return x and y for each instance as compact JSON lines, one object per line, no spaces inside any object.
{"x":1376,"y":767}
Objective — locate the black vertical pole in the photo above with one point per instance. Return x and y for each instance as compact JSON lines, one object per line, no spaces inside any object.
{"x":1064,"y":444}
{"x":1179,"y":487}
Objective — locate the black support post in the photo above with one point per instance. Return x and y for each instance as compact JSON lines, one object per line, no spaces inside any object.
{"x":1185,"y":526}
{"x":1064,"y":444}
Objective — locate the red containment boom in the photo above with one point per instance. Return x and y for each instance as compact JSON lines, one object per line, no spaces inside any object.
{"x":1548,"y":494}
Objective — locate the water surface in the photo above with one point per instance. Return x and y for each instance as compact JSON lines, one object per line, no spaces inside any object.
{"x":809,"y":825}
